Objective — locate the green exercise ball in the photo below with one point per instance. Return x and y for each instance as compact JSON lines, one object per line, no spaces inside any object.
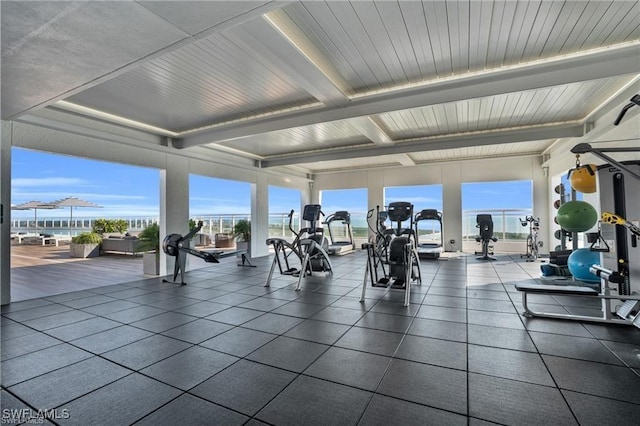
{"x":577,"y":216}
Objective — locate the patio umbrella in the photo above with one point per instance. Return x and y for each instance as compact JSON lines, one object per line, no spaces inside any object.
{"x":34,"y":205}
{"x":72,"y":202}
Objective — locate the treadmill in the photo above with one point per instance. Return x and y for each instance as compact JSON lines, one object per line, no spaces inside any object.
{"x":432,"y":248}
{"x":340,"y":247}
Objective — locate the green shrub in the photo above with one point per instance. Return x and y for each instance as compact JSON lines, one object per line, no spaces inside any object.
{"x":149,"y":238}
{"x":87,"y":238}
{"x":242,"y":230}
{"x":101,"y":226}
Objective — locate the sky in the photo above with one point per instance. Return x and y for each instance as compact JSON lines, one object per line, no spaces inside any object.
{"x":129,"y":191}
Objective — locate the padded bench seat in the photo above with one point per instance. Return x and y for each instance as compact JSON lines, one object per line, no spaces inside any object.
{"x":559,"y":289}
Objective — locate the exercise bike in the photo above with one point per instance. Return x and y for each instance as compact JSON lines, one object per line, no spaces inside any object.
{"x":403,"y":264}
{"x":309,"y":247}
{"x":533,"y":244}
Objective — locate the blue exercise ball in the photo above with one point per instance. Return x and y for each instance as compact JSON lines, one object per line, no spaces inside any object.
{"x":579,"y":263}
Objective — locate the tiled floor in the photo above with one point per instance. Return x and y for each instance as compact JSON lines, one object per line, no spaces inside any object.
{"x":225,"y":350}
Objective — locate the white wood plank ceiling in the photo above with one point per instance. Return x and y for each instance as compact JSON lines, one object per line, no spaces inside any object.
{"x":328,"y":85}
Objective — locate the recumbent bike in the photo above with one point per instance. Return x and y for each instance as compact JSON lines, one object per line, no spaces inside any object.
{"x":309,"y":247}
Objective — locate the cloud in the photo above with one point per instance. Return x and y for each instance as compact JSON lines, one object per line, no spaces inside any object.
{"x":50,"y":181}
{"x":19,"y":196}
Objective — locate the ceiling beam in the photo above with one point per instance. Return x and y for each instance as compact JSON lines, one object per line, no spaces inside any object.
{"x":569,"y":69}
{"x":373,"y":129}
{"x":405,"y":160}
{"x":511,"y":135}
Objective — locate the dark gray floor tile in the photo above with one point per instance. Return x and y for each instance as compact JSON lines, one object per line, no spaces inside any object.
{"x":447,"y":291}
{"x":82,"y":328}
{"x":492,"y":305}
{"x":297,"y":309}
{"x":235,"y":316}
{"x":447,"y":330}
{"x":65,"y":384}
{"x":163,"y":322}
{"x":367,"y":340}
{"x":442,"y":313}
{"x":506,"y":338}
{"x":207,"y":294}
{"x":201,"y":309}
{"x":380,"y":321}
{"x":426,"y":384}
{"x":111,"y":339}
{"x":125,"y":293}
{"x":174,"y":303}
{"x":189,"y":410}
{"x":57,"y":320}
{"x":475,"y":293}
{"x":445,"y":301}
{"x":478,"y":422}
{"x":352,"y":368}
{"x":96,"y":299}
{"x":26,"y":344}
{"x":339,"y":315}
{"x":317,"y":298}
{"x":495,"y":319}
{"x":145,"y":352}
{"x":287,"y":353}
{"x":31,"y":365}
{"x":273,"y":323}
{"x":318,"y":331}
{"x":197,"y":331}
{"x":13,"y":330}
{"x":609,"y":381}
{"x":333,"y":404}
{"x":110,"y":307}
{"x":263,"y":304}
{"x":595,"y":411}
{"x":516,"y":403}
{"x":509,"y":364}
{"x":573,"y":347}
{"x":548,"y":325}
{"x":615,"y":333}
{"x":238,"y":341}
{"x":232,"y":298}
{"x":245,"y":386}
{"x":25,"y":304}
{"x":628,"y":353}
{"x":119,"y":403}
{"x":135,"y":314}
{"x":63,"y":297}
{"x":396,"y":307}
{"x":433,"y":351}
{"x":190,"y":367}
{"x":384,"y":411}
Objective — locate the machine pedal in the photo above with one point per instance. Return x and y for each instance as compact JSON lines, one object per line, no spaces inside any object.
{"x":627,"y":308}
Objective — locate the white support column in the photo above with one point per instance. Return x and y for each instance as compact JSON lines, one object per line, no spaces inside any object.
{"x":541,"y":205}
{"x":174,"y":204}
{"x":260,"y":216}
{"x":452,"y":206}
{"x":5,"y":199}
{"x":375,"y":194}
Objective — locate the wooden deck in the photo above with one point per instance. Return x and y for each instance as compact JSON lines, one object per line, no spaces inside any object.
{"x":38,"y":271}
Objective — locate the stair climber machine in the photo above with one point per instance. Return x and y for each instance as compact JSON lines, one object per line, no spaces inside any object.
{"x":176,"y":245}
{"x":403,"y":264}
{"x":433,"y":248}
{"x":309,"y":247}
{"x":340,"y":247}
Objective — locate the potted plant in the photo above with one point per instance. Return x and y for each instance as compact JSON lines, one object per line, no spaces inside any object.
{"x":149,"y":244}
{"x":242,"y":235}
{"x":86,"y":244}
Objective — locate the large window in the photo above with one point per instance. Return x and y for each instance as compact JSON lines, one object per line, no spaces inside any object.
{"x":281,"y":202}
{"x":219,"y":203}
{"x":352,"y":200}
{"x":506,"y":202}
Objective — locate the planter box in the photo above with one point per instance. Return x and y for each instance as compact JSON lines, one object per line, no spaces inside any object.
{"x":84,"y":250}
{"x":150,"y":264}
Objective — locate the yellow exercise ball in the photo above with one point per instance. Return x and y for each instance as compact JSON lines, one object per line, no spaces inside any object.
{"x":583,"y":178}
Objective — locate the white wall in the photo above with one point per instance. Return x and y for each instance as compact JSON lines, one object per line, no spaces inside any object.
{"x":450,"y":175}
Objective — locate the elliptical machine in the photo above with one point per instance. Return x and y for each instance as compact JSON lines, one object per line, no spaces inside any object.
{"x":309,"y":246}
{"x":404,"y":266}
